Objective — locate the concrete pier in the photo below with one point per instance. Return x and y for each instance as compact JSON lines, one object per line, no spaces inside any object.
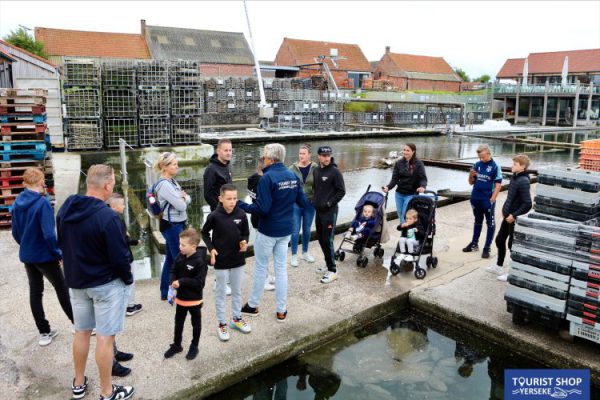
{"x":458,"y":290}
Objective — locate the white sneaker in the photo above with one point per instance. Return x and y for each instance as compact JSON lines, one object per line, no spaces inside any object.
{"x":228,"y":290}
{"x":503,"y":277}
{"x":308,"y":257}
{"x":269,"y":286}
{"x":294,"y":262}
{"x":46,"y":338}
{"x":354,"y":238}
{"x":495,"y":269}
{"x":321,"y":270}
{"x":223,"y":332}
{"x":240,"y":325}
{"x":329,"y":277}
{"x":271,"y":279}
{"x":409,"y":258}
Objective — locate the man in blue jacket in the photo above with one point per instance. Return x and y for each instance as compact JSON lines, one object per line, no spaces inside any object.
{"x":486,"y":178}
{"x":33,"y":230}
{"x":97,"y":271}
{"x":278,"y":190}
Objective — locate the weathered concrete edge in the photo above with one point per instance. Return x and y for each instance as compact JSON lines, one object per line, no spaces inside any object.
{"x":499,"y":336}
{"x":281,"y":353}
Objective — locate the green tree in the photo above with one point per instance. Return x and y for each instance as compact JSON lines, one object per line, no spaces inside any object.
{"x":23,"y":40}
{"x":462,"y":74}
{"x":483,"y":79}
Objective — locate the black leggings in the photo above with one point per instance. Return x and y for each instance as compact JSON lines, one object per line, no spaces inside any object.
{"x":506,"y":232}
{"x":325,"y":224}
{"x":196,"y":315}
{"x":36,"y":273}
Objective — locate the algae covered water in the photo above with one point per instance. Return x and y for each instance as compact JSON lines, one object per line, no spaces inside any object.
{"x":404,"y":357}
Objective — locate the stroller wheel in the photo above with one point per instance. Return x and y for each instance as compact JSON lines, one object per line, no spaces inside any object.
{"x":342,"y":255}
{"x":434,"y":262}
{"x":357,"y":248}
{"x":379,"y":252}
{"x":336,"y":255}
{"x":364,"y":263}
{"x":394,"y":268}
{"x":428,"y":262}
{"x":420,"y":273}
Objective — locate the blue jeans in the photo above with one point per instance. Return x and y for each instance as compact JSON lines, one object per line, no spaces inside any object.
{"x":304,"y":216}
{"x":402,"y":204}
{"x":483,"y":208}
{"x":264,"y":248}
{"x":171,"y":236}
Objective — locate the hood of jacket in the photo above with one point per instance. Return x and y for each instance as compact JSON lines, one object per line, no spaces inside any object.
{"x":26,"y":199}
{"x":77,"y":208}
{"x":215,"y":160}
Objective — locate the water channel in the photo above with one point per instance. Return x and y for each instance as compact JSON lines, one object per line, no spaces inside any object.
{"x":355,"y":158}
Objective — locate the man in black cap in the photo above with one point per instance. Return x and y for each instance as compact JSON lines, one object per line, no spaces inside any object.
{"x":329,"y":189}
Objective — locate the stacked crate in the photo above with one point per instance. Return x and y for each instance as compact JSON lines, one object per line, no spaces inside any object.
{"x":554,"y":258}
{"x":81,"y":97}
{"x":23,"y":143}
{"x":589,"y":158}
{"x":187,"y":102}
{"x":153,"y":103}
{"x":119,"y":95}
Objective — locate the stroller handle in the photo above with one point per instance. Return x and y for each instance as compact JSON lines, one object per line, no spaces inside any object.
{"x":431,"y":192}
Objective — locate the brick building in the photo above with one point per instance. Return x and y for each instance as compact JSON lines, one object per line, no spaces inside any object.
{"x":347,"y":63}
{"x":414,"y":72}
{"x":583,"y":66}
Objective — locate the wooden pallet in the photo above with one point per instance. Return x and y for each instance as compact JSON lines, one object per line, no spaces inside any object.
{"x":13,"y":190}
{"x":20,"y":137}
{"x":22,"y":110}
{"x":21,"y":164}
{"x":5,"y":220}
{"x":28,"y":118}
{"x":22,"y":127}
{"x":6,"y":92}
{"x":7,"y":200}
{"x":17,"y":100}
{"x":11,"y":181}
{"x":22,"y":156}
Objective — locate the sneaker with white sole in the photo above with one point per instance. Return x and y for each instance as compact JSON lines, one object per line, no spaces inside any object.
{"x":269,"y":287}
{"x":308,"y":257}
{"x":271,"y":279}
{"x":321,"y":270}
{"x":79,"y":390}
{"x":227,"y":288}
{"x":120,"y":393}
{"x":503,"y":277}
{"x":46,"y":338}
{"x":133,"y":309}
{"x":240,"y":325}
{"x":294,"y":261}
{"x":329,"y":277}
{"x":495,"y":269}
{"x":223,"y":332}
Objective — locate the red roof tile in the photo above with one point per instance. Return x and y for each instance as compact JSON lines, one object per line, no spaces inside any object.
{"x":305,"y":52}
{"x":552,"y":63}
{"x":63,"y":42}
{"x":511,"y":68}
{"x":425,"y":64}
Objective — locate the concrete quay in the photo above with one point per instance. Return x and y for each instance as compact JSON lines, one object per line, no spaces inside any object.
{"x":458,"y":290}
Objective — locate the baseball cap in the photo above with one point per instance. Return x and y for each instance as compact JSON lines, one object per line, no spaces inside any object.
{"x":324,"y":150}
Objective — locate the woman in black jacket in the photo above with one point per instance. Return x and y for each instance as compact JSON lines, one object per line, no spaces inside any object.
{"x":409,"y":174}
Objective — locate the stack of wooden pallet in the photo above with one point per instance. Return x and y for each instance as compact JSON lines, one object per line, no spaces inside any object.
{"x":24,"y":143}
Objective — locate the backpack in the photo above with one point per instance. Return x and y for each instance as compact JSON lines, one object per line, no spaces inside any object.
{"x":153,"y":202}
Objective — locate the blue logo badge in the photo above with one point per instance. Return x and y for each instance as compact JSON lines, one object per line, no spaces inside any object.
{"x":547,"y":384}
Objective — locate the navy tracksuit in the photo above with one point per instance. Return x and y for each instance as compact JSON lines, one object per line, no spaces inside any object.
{"x":488,"y":175}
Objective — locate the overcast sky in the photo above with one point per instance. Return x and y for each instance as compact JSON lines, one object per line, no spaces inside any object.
{"x":477,"y":36}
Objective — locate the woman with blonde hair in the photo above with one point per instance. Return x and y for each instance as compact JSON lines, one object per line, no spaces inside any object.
{"x":173,"y":202}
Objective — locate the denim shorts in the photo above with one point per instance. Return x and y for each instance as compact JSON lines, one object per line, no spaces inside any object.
{"x":101,"y":307}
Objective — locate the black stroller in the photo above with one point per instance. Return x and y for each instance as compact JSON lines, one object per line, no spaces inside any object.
{"x":378,"y":201}
{"x":425,"y":207}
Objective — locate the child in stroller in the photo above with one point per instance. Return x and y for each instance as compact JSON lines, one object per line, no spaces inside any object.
{"x":362,"y":226}
{"x":412,"y":233}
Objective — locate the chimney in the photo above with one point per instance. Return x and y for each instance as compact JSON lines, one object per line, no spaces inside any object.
{"x":387,"y":49}
{"x":143,"y":25}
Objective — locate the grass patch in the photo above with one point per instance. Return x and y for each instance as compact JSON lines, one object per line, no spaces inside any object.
{"x":361,"y":107}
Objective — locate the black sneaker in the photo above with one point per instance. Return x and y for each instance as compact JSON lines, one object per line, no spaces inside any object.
{"x":485,"y":253}
{"x":470,"y":247}
{"x":79,"y":390}
{"x":120,"y":393}
{"x":174,"y":349}
{"x":121,"y":356}
{"x":249,"y":310}
{"x":119,"y":370}
{"x":134,"y":309}
{"x":192,"y":353}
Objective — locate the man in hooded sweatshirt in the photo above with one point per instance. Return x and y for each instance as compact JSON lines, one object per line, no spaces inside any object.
{"x":33,"y":230}
{"x":329,"y":189}
{"x":218,"y":173}
{"x":98,"y":273}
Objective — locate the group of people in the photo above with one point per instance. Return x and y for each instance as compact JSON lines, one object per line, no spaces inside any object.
{"x":92,"y":244}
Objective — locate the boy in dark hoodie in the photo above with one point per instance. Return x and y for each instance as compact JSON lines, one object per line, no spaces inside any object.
{"x":329,"y":190}
{"x":217,"y":173}
{"x":188,"y":276}
{"x":227,"y":245}
{"x":518,"y":202}
{"x":33,"y":230}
